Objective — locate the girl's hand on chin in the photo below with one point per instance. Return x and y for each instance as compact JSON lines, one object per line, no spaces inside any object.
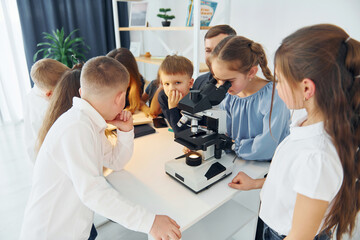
{"x":123,"y":121}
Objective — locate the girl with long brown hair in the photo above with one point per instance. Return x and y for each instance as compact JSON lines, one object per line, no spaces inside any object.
{"x":312,"y":190}
{"x":136,"y":84}
{"x":236,"y":59}
{"x":61,"y":100}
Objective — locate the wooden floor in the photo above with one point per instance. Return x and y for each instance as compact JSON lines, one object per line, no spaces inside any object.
{"x":15,"y":184}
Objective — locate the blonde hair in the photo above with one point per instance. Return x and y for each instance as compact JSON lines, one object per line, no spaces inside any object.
{"x":46,"y":72}
{"x":176,"y":65}
{"x":135,"y":88}
{"x":61,"y":101}
{"x":103,"y":73}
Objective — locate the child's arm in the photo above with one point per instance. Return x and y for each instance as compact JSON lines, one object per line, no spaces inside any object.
{"x":173,"y":115}
{"x":155,"y":108}
{"x":115,"y":157}
{"x":308,"y":214}
{"x":262,"y":146}
{"x":243,"y":182}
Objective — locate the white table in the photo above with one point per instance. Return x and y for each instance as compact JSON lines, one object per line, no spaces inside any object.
{"x":145,"y":182}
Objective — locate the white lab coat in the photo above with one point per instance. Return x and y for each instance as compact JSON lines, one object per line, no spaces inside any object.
{"x":36,"y":105}
{"x":68,"y":184}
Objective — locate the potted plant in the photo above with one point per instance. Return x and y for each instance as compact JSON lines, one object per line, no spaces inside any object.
{"x":166,"y":17}
{"x":65,"y":49}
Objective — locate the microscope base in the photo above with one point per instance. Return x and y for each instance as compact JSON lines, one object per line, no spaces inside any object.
{"x":203,"y":176}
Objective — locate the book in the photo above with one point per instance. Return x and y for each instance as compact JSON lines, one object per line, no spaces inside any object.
{"x":207,"y":11}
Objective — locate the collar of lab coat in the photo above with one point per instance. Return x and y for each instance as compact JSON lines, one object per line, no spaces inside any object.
{"x":87,"y":109}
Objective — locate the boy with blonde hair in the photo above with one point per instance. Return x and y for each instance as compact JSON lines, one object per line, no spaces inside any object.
{"x":175,"y":74}
{"x":45,"y":73}
{"x":68,"y":184}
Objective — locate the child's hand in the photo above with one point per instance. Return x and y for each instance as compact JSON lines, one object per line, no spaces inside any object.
{"x":174,"y":98}
{"x":186,"y":150}
{"x":165,"y":228}
{"x":123,"y":121}
{"x":243,"y":182}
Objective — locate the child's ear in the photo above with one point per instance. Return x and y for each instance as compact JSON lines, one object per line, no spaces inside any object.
{"x":80,"y":92}
{"x":119,"y":98}
{"x":308,"y":87}
{"x":191,"y":83}
{"x":252,"y":72}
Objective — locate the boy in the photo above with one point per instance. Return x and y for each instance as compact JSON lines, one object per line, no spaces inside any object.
{"x":213,"y":36}
{"x":45,"y":73}
{"x":175,"y":74}
{"x":68,"y":185}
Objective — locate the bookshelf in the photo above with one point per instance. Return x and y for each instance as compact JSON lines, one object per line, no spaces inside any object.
{"x":198,"y":67}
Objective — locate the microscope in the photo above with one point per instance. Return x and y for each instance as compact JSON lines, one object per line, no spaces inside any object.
{"x":207,"y":162}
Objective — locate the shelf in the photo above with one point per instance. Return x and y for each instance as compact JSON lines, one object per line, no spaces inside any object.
{"x":158,"y":60}
{"x":159,"y":28}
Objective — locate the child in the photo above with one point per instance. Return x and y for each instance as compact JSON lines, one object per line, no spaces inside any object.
{"x":45,"y":73}
{"x":236,"y":59}
{"x":136,"y":85}
{"x":175,"y":74}
{"x":312,"y":187}
{"x":68,"y":185}
{"x":62,"y":97}
{"x":151,"y":90}
{"x":212,"y":37}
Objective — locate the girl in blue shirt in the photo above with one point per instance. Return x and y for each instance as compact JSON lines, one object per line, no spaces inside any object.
{"x":248,"y":101}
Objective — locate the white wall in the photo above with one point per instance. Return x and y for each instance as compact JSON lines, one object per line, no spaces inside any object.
{"x":264,"y":21}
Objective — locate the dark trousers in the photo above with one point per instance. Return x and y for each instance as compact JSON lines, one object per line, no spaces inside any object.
{"x":271,"y":234}
{"x":93,"y":233}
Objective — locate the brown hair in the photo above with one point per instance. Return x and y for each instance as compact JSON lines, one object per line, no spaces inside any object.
{"x":135,"y":90}
{"x":46,"y":72}
{"x":219,"y":29}
{"x":242,"y":54}
{"x":61,"y":100}
{"x":176,"y":65}
{"x":324,"y":54}
{"x":103,"y":73}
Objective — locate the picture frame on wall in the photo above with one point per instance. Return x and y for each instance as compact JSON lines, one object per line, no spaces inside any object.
{"x":138,"y":12}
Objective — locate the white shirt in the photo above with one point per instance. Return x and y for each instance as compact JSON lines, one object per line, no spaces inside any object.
{"x":305,"y":162}
{"x":68,"y":184}
{"x":36,"y":105}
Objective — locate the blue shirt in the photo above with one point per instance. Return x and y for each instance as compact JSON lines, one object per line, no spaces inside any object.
{"x":247,"y":123}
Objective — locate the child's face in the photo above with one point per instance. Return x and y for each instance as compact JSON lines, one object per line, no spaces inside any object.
{"x":222,"y":73}
{"x":290,"y":96}
{"x":177,"y":82}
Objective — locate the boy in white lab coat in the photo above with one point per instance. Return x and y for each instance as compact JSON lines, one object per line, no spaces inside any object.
{"x":45,"y":73}
{"x":68,"y":184}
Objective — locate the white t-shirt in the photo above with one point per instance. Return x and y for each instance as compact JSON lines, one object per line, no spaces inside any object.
{"x":68,"y":184}
{"x":305,"y":162}
{"x":36,"y":105}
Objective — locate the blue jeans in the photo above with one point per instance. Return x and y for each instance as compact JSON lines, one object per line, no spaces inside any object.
{"x":271,"y":234}
{"x":93,"y":233}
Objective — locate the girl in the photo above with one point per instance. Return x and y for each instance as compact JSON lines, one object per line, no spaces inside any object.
{"x":61,"y":100}
{"x":236,"y":59}
{"x":312,"y":188}
{"x":137,"y":83}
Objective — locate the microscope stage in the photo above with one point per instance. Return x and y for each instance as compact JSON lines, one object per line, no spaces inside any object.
{"x":203,"y":176}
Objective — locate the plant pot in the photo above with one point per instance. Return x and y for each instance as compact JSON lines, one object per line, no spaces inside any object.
{"x":166,"y":23}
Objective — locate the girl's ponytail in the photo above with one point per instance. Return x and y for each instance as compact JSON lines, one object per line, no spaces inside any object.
{"x":262,"y":61}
